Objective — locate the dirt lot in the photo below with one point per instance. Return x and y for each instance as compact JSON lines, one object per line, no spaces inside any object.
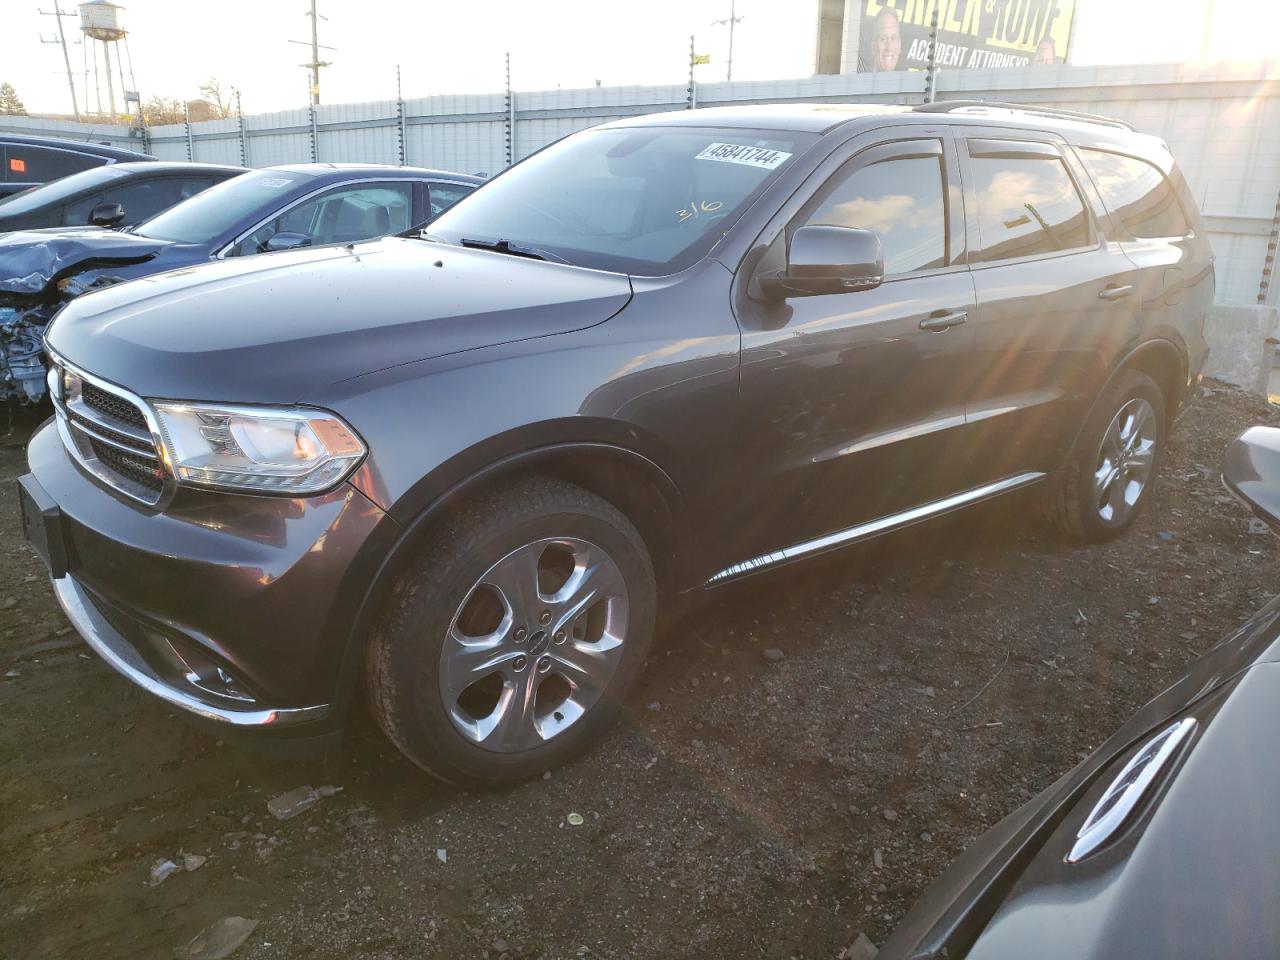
{"x":745,"y":808}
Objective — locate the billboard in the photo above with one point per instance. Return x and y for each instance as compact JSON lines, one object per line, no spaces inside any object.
{"x":972,"y":34}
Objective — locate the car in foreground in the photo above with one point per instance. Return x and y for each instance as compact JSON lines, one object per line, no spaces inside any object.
{"x":114,"y":196}
{"x":27,"y":161}
{"x":467,"y":469}
{"x":275,"y":208}
{"x":1164,"y":841}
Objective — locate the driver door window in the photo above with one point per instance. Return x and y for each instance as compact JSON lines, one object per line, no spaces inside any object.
{"x":342,"y":215}
{"x":901,"y":200}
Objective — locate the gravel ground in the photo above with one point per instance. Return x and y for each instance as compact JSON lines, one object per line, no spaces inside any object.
{"x":747,"y":806}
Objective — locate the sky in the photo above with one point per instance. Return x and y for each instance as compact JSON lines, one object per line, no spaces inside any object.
{"x":450,"y":47}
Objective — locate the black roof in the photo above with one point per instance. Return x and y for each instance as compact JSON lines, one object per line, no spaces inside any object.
{"x":103,"y":150}
{"x":823,"y":117}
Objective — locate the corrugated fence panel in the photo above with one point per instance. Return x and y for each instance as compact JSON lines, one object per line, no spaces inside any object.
{"x":1222,"y":121}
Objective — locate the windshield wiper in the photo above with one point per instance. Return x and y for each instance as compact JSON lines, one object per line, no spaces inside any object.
{"x":503,"y":245}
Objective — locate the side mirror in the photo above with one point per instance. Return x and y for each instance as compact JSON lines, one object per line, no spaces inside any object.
{"x":107,"y":214}
{"x":287,"y":241}
{"x":1252,"y":472}
{"x":824,"y":260}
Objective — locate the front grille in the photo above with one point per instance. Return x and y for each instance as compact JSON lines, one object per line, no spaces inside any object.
{"x":105,"y":429}
{"x":141,"y":470}
{"x":117,"y":408}
{"x":144,"y":447}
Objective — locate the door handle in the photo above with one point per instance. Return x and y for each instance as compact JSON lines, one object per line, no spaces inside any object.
{"x":941,"y":320}
{"x":1116,"y":293}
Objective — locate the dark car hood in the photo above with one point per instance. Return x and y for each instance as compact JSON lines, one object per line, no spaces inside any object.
{"x":32,"y":259}
{"x":275,"y":327}
{"x":983,"y":888}
{"x":1197,"y":874}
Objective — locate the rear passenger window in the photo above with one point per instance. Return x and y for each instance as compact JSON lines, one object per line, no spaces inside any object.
{"x":1027,"y":206}
{"x":1138,"y":194}
{"x":25,"y":164}
{"x":899,"y":199}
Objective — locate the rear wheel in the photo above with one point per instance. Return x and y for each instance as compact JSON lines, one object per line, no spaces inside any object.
{"x":509,"y":643}
{"x":1115,"y":462}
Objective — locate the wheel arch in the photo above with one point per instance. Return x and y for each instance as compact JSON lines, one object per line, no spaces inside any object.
{"x":631,"y":481}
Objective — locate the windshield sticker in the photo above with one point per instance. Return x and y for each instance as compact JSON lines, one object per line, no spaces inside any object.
{"x":761,"y":157}
{"x":693,"y":209}
{"x":273,"y":183}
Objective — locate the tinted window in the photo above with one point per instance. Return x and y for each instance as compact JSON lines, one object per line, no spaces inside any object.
{"x":1027,"y":206}
{"x":649,"y":200}
{"x":42,"y":197}
{"x":25,"y":164}
{"x":222,"y":208}
{"x":342,"y":215}
{"x":445,"y":195}
{"x":1138,"y":194}
{"x":902,"y":201}
{"x":142,"y":199}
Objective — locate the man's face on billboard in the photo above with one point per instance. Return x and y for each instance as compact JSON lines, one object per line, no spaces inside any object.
{"x":888,"y":43}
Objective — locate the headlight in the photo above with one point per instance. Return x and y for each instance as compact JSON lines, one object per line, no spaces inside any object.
{"x":272,"y":450}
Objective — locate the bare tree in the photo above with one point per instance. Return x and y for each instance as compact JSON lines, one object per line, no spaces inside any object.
{"x":162,"y":110}
{"x":222,"y":102}
{"x":10,"y":105}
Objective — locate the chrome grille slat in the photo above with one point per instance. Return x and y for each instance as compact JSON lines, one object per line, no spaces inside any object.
{"x":117,"y":438}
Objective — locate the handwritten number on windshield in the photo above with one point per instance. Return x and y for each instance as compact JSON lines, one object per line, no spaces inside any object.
{"x":694,"y":209}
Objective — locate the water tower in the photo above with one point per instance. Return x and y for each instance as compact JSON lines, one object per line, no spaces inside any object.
{"x":101,"y":20}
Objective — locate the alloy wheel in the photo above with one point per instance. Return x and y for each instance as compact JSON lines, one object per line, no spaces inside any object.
{"x":1125,"y":461}
{"x":534,"y":644}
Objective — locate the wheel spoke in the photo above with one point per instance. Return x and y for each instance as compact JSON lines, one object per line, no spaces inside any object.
{"x":515,"y":577}
{"x":587,"y":666}
{"x":471,"y":659}
{"x":511,"y":724}
{"x":594,"y":578}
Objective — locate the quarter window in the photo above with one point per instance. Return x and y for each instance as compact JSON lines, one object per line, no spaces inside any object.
{"x":1138,"y":194}
{"x":899,"y":199}
{"x":1027,"y":206}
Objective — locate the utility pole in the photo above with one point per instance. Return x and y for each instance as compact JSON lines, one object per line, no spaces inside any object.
{"x":931,"y":72}
{"x":511,"y":117}
{"x":316,"y":46}
{"x":731,"y":20}
{"x":691,"y":98}
{"x":57,"y":15}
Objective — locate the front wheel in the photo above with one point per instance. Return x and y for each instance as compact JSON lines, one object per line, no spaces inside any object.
{"x":510,"y":642}
{"x":1115,"y":461}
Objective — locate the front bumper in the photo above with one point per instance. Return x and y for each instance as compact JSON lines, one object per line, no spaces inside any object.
{"x":126,"y":659}
{"x":237,"y":609}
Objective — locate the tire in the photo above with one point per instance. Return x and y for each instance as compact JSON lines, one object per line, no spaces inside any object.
{"x":1076,"y":505}
{"x":463,"y":606}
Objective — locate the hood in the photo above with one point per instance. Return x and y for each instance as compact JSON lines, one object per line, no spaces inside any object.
{"x":276,"y":326}
{"x":30,"y":260}
{"x":1196,"y":873}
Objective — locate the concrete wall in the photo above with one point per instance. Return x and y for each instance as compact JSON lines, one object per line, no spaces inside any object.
{"x":1221,"y":120}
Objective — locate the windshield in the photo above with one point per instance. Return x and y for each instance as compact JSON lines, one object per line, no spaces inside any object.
{"x":210,"y":214}
{"x":642,"y":200}
{"x":36,"y":199}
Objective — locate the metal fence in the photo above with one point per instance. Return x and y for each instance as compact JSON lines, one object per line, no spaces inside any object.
{"x":1222,"y":121}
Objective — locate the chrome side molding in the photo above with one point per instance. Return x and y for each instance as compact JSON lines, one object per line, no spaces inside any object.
{"x":1129,"y":788}
{"x":872,"y":528}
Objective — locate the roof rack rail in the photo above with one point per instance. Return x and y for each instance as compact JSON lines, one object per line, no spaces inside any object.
{"x":973,"y":106}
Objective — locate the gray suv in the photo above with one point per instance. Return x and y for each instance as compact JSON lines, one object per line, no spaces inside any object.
{"x":464,"y":471}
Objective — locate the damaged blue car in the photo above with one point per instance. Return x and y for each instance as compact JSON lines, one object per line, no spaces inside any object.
{"x":275,"y":208}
